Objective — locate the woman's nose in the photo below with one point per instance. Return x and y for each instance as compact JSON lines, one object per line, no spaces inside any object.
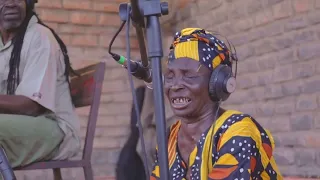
{"x":174,"y":83}
{"x":176,"y":86}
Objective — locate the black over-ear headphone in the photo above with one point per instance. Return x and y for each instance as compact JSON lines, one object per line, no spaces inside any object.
{"x":30,"y":4}
{"x":222,"y":83}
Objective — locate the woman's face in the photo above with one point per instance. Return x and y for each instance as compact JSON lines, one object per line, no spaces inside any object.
{"x":186,"y":87}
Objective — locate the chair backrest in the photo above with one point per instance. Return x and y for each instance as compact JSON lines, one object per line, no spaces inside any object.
{"x":86,"y":91}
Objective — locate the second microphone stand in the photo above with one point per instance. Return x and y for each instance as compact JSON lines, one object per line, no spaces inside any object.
{"x":152,"y":10}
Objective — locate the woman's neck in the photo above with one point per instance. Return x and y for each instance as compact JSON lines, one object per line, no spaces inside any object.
{"x":200,"y":124}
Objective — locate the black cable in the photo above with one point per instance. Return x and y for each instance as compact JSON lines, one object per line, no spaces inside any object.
{"x":135,"y":101}
{"x":235,"y":58}
{"x":213,"y":126}
{"x":114,"y":55}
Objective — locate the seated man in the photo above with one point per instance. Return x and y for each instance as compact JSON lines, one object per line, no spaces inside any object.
{"x":208,"y":142}
{"x":37,"y":117}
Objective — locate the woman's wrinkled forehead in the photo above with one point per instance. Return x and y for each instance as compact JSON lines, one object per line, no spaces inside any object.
{"x":183,"y":63}
{"x":187,"y":65}
{"x":201,"y":46}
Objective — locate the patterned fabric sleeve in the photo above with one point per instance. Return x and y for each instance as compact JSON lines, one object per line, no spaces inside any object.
{"x":171,"y":136}
{"x":237,"y":153}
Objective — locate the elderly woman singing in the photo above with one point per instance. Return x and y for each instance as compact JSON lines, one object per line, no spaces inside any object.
{"x":208,"y":142}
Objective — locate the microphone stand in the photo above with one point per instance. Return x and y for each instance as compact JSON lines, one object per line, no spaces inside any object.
{"x":5,"y":168}
{"x":152,"y":10}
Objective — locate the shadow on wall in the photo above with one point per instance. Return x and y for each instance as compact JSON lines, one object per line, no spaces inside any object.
{"x":130,"y":165}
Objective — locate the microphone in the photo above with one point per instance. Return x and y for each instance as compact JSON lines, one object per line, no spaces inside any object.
{"x":137,"y":69}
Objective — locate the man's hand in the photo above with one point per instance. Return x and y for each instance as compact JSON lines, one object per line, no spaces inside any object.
{"x":21,"y":105}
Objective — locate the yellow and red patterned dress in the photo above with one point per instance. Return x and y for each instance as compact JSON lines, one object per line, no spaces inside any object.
{"x":237,"y":149}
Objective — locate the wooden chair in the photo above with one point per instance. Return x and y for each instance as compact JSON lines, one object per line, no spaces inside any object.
{"x":86,"y":91}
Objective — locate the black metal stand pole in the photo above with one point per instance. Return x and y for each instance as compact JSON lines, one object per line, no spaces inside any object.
{"x":152,"y":9}
{"x":5,"y":168}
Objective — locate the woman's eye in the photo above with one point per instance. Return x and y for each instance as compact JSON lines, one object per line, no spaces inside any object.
{"x":168,"y":75}
{"x":191,"y":75}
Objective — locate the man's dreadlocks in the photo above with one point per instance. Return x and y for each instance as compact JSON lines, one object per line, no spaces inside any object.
{"x":14,"y":63}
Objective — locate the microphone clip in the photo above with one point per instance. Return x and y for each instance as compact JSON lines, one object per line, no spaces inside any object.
{"x":142,"y":72}
{"x":149,"y":8}
{"x":123,"y":8}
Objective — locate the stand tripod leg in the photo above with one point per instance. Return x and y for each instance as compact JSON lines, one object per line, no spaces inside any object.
{"x":5,"y":167}
{"x":57,"y":174}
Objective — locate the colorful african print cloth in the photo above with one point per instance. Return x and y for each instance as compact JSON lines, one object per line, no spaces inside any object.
{"x":237,"y":149}
{"x":199,"y":45}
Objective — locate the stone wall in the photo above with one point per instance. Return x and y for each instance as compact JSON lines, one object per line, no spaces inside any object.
{"x":278,"y":46}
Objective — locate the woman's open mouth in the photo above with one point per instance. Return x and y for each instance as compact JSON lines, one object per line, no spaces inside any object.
{"x":180,"y":102}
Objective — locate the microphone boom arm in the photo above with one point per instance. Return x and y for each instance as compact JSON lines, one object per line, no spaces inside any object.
{"x":142,"y":46}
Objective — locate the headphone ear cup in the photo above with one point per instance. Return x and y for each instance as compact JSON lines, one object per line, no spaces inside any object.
{"x":221,"y":84}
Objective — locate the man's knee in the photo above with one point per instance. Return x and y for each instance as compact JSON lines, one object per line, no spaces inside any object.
{"x":22,"y":136}
{"x":17,"y":126}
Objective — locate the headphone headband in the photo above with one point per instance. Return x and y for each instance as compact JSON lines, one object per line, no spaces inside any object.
{"x":30,"y":4}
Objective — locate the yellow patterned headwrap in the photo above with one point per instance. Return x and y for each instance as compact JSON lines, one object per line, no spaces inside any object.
{"x":199,"y":45}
